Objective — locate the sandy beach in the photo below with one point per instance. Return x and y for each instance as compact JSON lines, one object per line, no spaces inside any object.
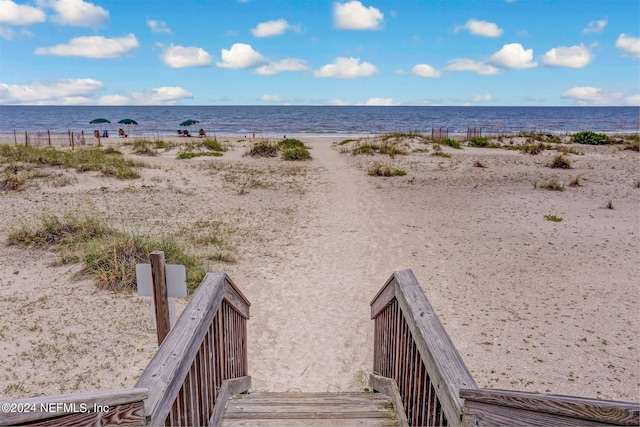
{"x":531,"y":304}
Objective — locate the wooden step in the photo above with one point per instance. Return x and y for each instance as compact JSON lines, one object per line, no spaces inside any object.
{"x":309,"y":409}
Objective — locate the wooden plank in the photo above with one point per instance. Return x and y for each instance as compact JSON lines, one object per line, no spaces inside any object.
{"x":376,"y":422}
{"x":160,"y":298}
{"x":445,"y":367}
{"x":236,"y":298}
{"x":73,"y":402}
{"x":167,"y":370}
{"x":389,"y":387}
{"x":331,"y":408}
{"x":228,"y":388}
{"x":383,"y":298}
{"x":128,"y":414}
{"x":483,"y":414}
{"x":309,"y":415}
{"x":602,"y":411}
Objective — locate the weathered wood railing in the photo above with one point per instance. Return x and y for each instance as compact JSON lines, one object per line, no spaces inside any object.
{"x":412,"y":347}
{"x":202,"y":360}
{"x":108,"y":407}
{"x":485,"y":407}
{"x":415,"y":359}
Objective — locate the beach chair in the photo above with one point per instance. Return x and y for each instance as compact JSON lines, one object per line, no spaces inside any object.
{"x":202,"y":133}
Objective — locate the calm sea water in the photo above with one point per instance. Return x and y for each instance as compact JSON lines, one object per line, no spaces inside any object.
{"x":322,"y":120}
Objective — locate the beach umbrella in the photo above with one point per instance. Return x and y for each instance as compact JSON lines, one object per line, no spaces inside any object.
{"x":128,"y":122}
{"x":99,"y":121}
{"x":189,"y":122}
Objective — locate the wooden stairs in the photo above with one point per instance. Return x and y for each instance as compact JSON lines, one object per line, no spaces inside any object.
{"x":309,"y":409}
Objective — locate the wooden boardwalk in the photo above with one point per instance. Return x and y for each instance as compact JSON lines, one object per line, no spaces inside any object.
{"x":309,"y":409}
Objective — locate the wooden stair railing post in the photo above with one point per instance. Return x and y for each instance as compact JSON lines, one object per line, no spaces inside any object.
{"x":185,"y":375}
{"x":160,"y":298}
{"x":413,"y":348}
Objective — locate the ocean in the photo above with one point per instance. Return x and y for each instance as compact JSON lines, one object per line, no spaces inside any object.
{"x":321,"y":120}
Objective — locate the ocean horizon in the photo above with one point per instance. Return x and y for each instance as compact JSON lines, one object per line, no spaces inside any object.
{"x":320,"y":120}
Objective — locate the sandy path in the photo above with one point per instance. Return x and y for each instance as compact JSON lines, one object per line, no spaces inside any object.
{"x":333,"y":271}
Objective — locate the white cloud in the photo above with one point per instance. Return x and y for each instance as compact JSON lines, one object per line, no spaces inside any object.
{"x":19,"y":14}
{"x":479,"y":99}
{"x":514,"y":56}
{"x":273,"y":28}
{"x":277,"y":99}
{"x":630,"y":45}
{"x":158,"y":26}
{"x":290,"y":64}
{"x":378,"y":101}
{"x":78,"y":13}
{"x":346,"y":68}
{"x":166,"y":95}
{"x":92,"y":47}
{"x":63,"y":92}
{"x":354,"y":15}
{"x":464,"y":64}
{"x":6,"y":33}
{"x":184,"y":57}
{"x":588,"y":95}
{"x":425,"y":70}
{"x":595,"y":26}
{"x":571,"y":57}
{"x":240,"y":56}
{"x":481,"y":28}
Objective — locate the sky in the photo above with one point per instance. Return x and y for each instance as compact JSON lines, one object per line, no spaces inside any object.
{"x":315,"y":52}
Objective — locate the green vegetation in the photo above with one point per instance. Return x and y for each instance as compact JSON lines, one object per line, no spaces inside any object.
{"x":482,"y":142}
{"x":294,"y":149}
{"x":213,"y":145}
{"x":296,"y":153}
{"x":541,"y":136}
{"x":191,"y":154}
{"x":143,"y":147}
{"x":11,"y":180}
{"x":346,"y":141}
{"x":553,"y":218}
{"x":450,"y":143}
{"x":379,"y":169}
{"x":390,"y":148}
{"x":590,"y":138}
{"x":560,"y":162}
{"x":108,"y":162}
{"x":110,"y":256}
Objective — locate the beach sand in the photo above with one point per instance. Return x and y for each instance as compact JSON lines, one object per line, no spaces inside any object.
{"x":530,"y":304}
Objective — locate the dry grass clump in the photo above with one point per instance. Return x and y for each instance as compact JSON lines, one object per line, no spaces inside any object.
{"x":479,"y":164}
{"x":11,"y":180}
{"x":560,"y":162}
{"x":264,"y":148}
{"x":379,"y":169}
{"x":143,"y":147}
{"x":109,"y":255}
{"x":108,"y":162}
{"x":553,"y":185}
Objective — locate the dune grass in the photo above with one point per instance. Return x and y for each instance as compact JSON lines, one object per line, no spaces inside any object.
{"x":108,"y":162}
{"x":108,"y":255}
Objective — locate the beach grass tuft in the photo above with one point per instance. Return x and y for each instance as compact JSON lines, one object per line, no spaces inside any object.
{"x":560,"y":162}
{"x":192,"y":154}
{"x":296,"y":153}
{"x":264,"y":148}
{"x":108,"y":255}
{"x":109,"y":163}
{"x":380,"y":169}
{"x":482,"y":142}
{"x":553,"y":218}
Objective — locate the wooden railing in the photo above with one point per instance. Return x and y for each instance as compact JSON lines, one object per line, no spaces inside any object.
{"x":484,"y":407}
{"x":412,"y":347}
{"x":202,"y":360}
{"x":108,"y":407}
{"x":415,"y":360}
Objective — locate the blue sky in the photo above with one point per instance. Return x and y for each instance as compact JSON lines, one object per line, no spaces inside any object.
{"x":313,"y":52}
